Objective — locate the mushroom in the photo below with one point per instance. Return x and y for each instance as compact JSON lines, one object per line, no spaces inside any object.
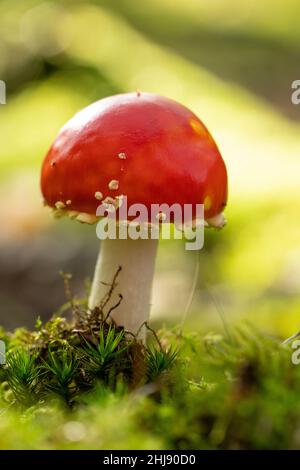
{"x":150,"y":149}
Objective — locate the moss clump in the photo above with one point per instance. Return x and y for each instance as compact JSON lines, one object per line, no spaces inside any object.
{"x":69,"y":358}
{"x":240,"y":392}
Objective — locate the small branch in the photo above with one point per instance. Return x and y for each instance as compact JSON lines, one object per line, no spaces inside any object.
{"x":153,"y":332}
{"x":107,"y":297}
{"x":113,"y":307}
{"x":68,"y":292}
{"x":191,"y":295}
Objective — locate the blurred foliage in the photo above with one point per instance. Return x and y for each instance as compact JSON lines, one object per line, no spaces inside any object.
{"x":232,"y":63}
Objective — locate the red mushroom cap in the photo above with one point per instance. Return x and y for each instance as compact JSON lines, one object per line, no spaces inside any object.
{"x":149,"y":148}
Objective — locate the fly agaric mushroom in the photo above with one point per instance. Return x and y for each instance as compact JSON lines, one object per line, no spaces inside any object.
{"x":149,"y":148}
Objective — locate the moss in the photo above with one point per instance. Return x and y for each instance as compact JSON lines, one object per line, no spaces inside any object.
{"x":86,"y":383}
{"x":68,"y":358}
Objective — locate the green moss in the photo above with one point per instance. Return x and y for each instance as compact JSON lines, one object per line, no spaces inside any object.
{"x":97,"y":391}
{"x":66,"y":359}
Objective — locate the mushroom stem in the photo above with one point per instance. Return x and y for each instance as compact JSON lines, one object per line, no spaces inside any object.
{"x":134,"y":282}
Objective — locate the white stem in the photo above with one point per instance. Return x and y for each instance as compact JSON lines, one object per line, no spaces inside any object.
{"x":134,"y":282}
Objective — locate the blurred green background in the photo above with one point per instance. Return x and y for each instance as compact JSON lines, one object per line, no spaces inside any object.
{"x":233,"y":64}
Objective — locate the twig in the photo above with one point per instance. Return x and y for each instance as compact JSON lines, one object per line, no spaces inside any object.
{"x":68,"y":292}
{"x":113,"y":307}
{"x":191,"y":295}
{"x":152,"y":331}
{"x":107,"y":296}
{"x":220,"y":311}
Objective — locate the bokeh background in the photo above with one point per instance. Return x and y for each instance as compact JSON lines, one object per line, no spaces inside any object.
{"x":232,"y":63}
